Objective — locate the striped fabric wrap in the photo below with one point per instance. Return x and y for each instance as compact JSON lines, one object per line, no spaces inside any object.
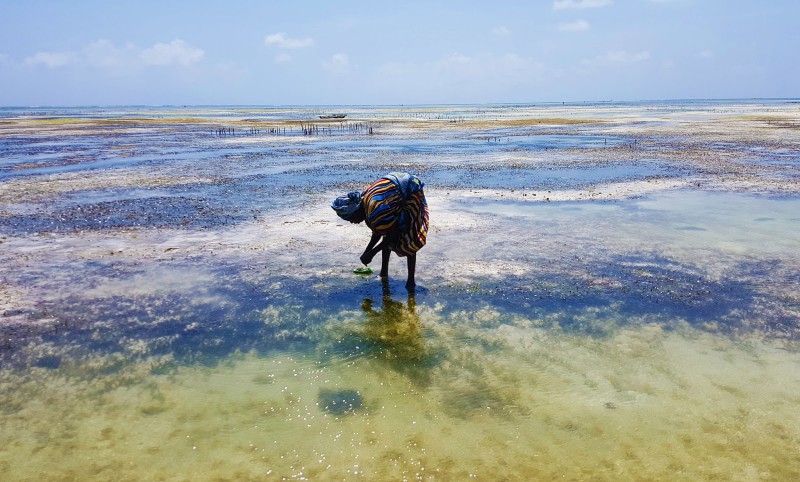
{"x":395,"y":206}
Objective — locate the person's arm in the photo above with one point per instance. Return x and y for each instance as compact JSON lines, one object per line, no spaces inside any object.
{"x":373,"y":241}
{"x":372,"y":250}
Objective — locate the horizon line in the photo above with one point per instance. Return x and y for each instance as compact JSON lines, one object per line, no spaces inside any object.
{"x":425,"y":104}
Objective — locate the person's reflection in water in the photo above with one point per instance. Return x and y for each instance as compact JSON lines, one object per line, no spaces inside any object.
{"x":396,"y":333}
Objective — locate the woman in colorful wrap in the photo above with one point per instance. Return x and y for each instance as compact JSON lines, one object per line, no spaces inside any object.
{"x":395,"y":209}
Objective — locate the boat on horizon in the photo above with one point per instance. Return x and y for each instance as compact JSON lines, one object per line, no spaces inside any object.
{"x":333,"y":116}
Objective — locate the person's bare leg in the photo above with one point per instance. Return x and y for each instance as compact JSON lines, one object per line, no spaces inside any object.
{"x":385,"y":253}
{"x":412,"y":267}
{"x":387,"y":294}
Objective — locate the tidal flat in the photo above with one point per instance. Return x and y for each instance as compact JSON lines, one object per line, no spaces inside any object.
{"x":610,"y":291}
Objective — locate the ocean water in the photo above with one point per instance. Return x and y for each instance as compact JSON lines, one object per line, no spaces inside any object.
{"x":179,"y":305}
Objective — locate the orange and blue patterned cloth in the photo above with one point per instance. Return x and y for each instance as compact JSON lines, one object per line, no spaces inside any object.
{"x":395,"y":206}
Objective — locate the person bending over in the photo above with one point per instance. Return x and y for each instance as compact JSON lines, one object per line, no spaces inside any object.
{"x":395,"y":209}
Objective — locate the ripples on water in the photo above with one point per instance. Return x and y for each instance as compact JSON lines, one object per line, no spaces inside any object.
{"x":646,"y":338}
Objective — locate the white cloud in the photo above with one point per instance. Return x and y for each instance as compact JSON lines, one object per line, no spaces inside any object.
{"x":564,"y":4}
{"x":575,"y":26}
{"x":453,"y":60}
{"x":105,"y":55}
{"x":280,"y":40}
{"x":339,"y":64}
{"x":617,"y":57}
{"x":501,"y":30}
{"x":176,"y":52}
{"x":51,"y":60}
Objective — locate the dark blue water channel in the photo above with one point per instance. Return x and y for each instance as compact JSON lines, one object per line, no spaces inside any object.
{"x":482,"y":143}
{"x":197,"y":328}
{"x":27,"y":155}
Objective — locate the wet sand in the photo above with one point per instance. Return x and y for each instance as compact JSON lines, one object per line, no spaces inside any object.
{"x":608,"y":291}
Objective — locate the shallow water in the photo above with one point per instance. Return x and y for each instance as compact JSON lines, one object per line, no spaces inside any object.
{"x":198,"y":328}
{"x":743,"y":224}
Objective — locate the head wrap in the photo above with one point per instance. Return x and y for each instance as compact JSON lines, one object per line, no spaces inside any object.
{"x":345,"y":206}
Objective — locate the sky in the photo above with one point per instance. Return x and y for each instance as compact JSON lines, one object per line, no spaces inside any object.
{"x":340,"y":52}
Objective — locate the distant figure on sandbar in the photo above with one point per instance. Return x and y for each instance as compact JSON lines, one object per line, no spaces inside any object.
{"x":395,"y":209}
